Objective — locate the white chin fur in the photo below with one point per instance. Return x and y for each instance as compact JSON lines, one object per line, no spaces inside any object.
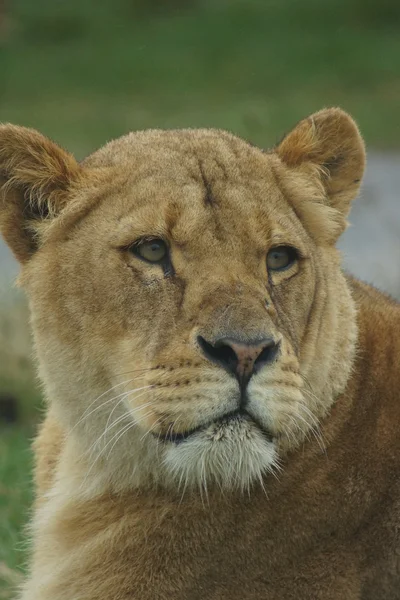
{"x":233,"y":455}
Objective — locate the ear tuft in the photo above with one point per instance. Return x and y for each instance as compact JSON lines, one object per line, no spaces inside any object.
{"x":330,"y":141}
{"x":35,"y":177}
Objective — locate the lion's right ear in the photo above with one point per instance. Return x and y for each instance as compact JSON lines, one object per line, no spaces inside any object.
{"x":328,"y":147}
{"x":35,"y":178}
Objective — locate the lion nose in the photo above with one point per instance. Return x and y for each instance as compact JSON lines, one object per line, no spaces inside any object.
{"x":239,"y":358}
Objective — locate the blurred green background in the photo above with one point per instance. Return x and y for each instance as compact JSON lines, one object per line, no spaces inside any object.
{"x":86,"y":71}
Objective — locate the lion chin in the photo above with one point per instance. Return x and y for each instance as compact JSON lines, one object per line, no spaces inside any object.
{"x":232,"y":453}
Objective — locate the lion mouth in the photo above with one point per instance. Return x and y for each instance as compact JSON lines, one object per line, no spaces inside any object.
{"x":237,"y":417}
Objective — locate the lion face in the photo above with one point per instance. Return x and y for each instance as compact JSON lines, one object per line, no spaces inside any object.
{"x":191,"y":319}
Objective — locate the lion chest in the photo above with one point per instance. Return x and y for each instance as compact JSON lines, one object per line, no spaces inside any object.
{"x":235,"y":552}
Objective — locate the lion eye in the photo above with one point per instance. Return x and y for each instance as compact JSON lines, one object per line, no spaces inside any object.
{"x":153,"y":251}
{"x":281,"y":258}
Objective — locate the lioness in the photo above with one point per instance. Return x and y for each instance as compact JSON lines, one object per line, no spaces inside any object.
{"x":223,"y":402}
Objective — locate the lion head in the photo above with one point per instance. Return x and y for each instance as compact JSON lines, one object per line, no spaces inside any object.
{"x":191,"y":319}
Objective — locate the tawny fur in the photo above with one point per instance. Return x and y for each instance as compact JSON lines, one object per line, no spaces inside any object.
{"x":311,"y":510}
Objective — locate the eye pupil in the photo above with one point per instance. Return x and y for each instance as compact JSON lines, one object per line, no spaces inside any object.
{"x":152,"y":250}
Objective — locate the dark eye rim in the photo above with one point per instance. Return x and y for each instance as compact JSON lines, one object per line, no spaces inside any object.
{"x":294,"y":256}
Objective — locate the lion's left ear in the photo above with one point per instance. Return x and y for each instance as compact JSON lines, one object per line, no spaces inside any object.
{"x":330,"y":141}
{"x":36,"y":177}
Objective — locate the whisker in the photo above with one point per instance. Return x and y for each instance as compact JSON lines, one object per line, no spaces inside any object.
{"x":159,"y":420}
{"x":118,"y":435}
{"x":272,"y":469}
{"x":115,"y":422}
{"x":113,"y":410}
{"x":123,"y":395}
{"x":100,"y":453}
{"x":104,"y":393}
{"x":312,"y":396}
{"x":124,"y":431}
{"x":128,"y":394}
{"x":261,"y":481}
{"x":309,"y":413}
{"x":143,"y":370}
{"x":163,"y":370}
{"x":84,"y":415}
{"x":127,"y":414}
{"x":184,"y":487}
{"x":289,"y":433}
{"x":315,"y":432}
{"x":203,"y":478}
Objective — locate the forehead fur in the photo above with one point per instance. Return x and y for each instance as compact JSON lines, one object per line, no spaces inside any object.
{"x":198,"y":185}
{"x":167,"y":145}
{"x":195,"y":177}
{"x":42,"y":181}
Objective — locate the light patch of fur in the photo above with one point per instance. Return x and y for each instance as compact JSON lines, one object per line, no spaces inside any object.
{"x":233,"y":456}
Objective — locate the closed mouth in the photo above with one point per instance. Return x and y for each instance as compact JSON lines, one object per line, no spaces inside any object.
{"x":239,"y":415}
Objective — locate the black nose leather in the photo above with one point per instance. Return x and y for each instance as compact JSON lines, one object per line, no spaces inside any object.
{"x":239,"y":358}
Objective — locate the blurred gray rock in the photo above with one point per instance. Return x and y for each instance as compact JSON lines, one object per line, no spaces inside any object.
{"x":371,"y":246}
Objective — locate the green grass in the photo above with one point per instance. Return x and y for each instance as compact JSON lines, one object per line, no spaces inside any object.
{"x":15,"y":500}
{"x":17,"y":377}
{"x":85,"y":72}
